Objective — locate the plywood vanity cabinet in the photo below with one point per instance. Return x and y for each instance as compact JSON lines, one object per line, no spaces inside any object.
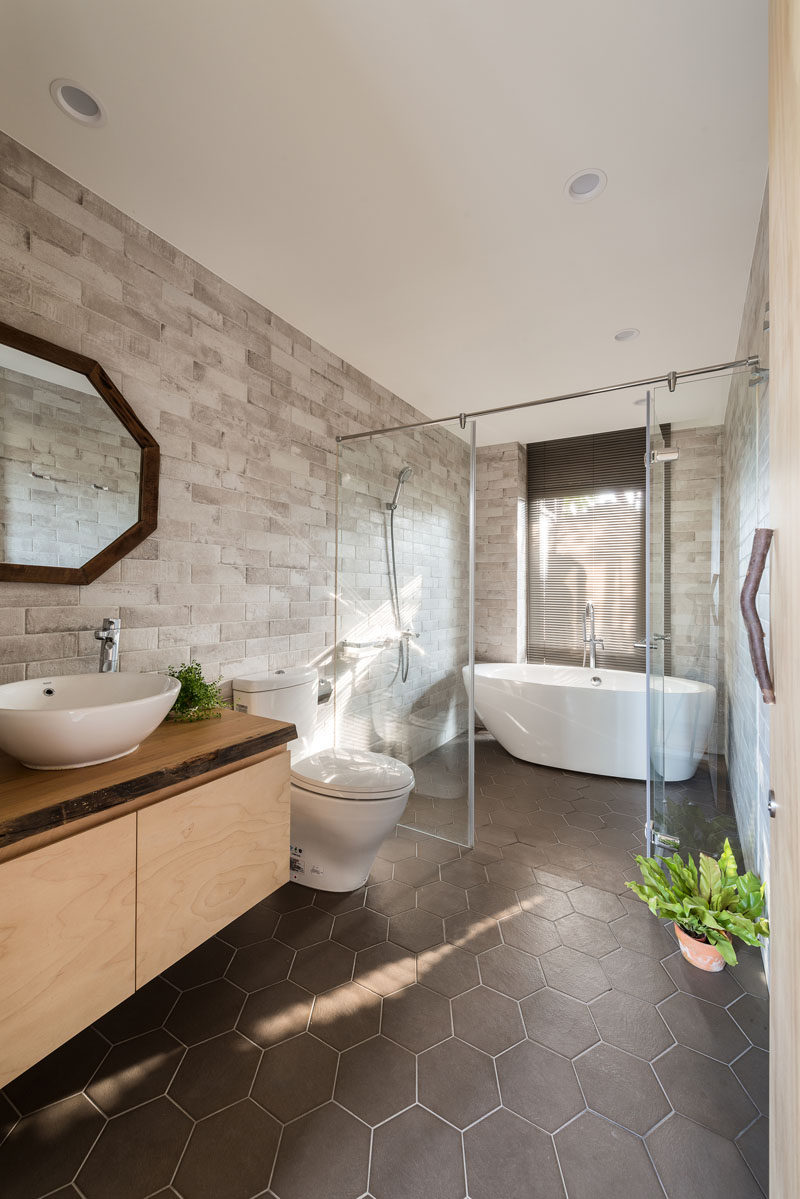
{"x":103,"y":888}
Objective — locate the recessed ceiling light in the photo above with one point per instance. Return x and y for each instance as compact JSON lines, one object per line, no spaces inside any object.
{"x":77,"y":102}
{"x":626,"y":334}
{"x":586,"y":185}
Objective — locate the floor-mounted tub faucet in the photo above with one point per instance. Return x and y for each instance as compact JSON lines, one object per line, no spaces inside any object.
{"x":108,"y":636}
{"x":589,"y":638}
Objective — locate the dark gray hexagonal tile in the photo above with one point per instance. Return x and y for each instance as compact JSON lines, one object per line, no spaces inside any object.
{"x":322,"y":966}
{"x":256,"y":925}
{"x":586,"y":934}
{"x":504,"y":1153}
{"x":275,"y":1014}
{"x":391,"y":897}
{"x":463,"y":873}
{"x":381,"y":871}
{"x":339,"y":902}
{"x":568,"y":857}
{"x":471,"y":931}
{"x":230,"y":1153}
{"x":583,"y":819}
{"x":394,"y":849}
{"x":487,"y":1020}
{"x":749,"y":971}
{"x":68,"y":1128}
{"x":601,"y":905}
{"x":598,"y":1158}
{"x":415,"y":1154}
{"x":483,"y":853}
{"x":511,"y":971}
{"x":346,"y":1015}
{"x":215,"y":1074}
{"x":457,"y":1082}
{"x":416,"y":1018}
{"x":752,"y":1070}
{"x":690,"y":1078}
{"x":360,"y":929}
{"x":548,"y":819}
{"x":417,"y":871}
{"x":8,"y":1116}
{"x":574,"y":973}
{"x":205,"y":1011}
{"x":717,"y":1169}
{"x":209,"y":961}
{"x":143,"y":1011}
{"x":575,"y":836}
{"x":323,"y":1153}
{"x":621,"y":1087}
{"x":752,"y":1016}
{"x":443,"y":899}
{"x":754,"y":1148}
{"x":525,"y":854}
{"x":260,"y":965}
{"x":135,"y":1071}
{"x":62,"y":1073}
{"x":511,"y":874}
{"x":558,"y":1022}
{"x":295,"y":1077}
{"x":539,"y":1085}
{"x":304,"y":927}
{"x":538,"y":836}
{"x":376,"y":1080}
{"x":416,"y":930}
{"x":491,"y":900}
{"x":289,"y":898}
{"x":385,"y":968}
{"x":530,"y":933}
{"x":638,"y":975}
{"x":720,"y":988}
{"x":495,"y":834}
{"x":631,"y":1024}
{"x":138,"y":1150}
{"x":703,"y":1026}
{"x":545,"y":901}
{"x":557,"y":878}
{"x":448,"y":970}
{"x":645,"y":934}
{"x":434,"y":849}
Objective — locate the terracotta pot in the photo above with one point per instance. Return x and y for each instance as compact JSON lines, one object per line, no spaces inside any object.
{"x":699,"y":952}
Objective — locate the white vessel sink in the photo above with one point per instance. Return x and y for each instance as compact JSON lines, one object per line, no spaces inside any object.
{"x":81,"y":719}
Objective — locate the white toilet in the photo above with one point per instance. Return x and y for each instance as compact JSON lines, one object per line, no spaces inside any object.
{"x":344,"y":802}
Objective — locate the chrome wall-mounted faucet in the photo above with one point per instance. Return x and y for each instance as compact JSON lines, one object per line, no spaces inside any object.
{"x":108,"y":636}
{"x":589,"y":638}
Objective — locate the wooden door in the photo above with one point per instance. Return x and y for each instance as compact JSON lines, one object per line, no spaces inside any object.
{"x":784,"y":255}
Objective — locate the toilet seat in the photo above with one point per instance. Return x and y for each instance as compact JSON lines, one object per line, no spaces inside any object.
{"x":352,"y":774}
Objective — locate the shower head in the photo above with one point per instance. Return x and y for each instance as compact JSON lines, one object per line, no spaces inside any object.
{"x":404,"y":474}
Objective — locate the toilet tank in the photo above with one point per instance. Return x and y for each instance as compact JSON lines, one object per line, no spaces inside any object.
{"x":289,"y":695}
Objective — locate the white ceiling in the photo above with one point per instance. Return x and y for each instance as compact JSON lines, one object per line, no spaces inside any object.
{"x":388,"y":175}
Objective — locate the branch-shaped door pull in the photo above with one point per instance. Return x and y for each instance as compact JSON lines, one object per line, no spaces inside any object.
{"x":762,"y":539}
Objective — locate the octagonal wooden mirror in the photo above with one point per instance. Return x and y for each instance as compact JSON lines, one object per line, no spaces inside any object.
{"x":78,"y":469}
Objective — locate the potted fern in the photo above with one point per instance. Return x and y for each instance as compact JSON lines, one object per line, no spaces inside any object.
{"x":709,"y":906}
{"x":198,"y":699}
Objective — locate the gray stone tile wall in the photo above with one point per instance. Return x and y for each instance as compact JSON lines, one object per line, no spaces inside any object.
{"x":500,"y":553}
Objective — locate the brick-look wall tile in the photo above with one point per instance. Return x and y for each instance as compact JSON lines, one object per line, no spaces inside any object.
{"x":500,"y":553}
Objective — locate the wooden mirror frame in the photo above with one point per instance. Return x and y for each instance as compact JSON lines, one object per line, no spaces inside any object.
{"x":148,"y":478}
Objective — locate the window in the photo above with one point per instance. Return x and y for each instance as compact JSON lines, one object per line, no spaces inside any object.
{"x":586,"y":541}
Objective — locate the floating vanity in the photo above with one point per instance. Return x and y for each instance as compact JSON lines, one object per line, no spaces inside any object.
{"x":110,"y":873}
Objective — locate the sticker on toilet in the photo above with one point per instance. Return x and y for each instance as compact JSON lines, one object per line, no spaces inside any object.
{"x":317,"y":870}
{"x":296,"y":866}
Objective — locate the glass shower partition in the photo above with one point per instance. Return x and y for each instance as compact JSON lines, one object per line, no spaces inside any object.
{"x":404,"y":654}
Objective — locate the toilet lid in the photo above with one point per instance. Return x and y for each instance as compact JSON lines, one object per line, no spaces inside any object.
{"x":353,"y":774}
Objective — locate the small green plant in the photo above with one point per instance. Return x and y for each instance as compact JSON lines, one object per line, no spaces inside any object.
{"x":713,"y":903}
{"x":197,"y":699}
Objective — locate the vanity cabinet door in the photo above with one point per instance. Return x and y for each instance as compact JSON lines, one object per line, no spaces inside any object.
{"x":205,"y":857}
{"x":67,"y":923}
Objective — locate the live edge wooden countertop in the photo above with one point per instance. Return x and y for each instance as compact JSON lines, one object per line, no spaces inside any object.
{"x":39,"y":806}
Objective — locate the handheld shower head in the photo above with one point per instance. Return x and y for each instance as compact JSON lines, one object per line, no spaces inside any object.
{"x":404,"y":474}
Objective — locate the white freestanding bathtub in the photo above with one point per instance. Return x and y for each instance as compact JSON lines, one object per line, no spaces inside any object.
{"x":594,"y":721}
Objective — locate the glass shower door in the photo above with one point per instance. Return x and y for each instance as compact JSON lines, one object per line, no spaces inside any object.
{"x":656,"y":636}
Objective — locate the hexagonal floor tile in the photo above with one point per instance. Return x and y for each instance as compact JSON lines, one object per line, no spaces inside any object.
{"x":753,"y":1145}
{"x":574,"y":973}
{"x":339,"y":902}
{"x":511,"y":874}
{"x":135,"y":1071}
{"x":346,"y":1015}
{"x":689,"y":1079}
{"x":600,"y":905}
{"x":415,"y":1154}
{"x":68,"y":1128}
{"x":385,"y":968}
{"x":416,"y":1018}
{"x":717,"y":1168}
{"x":539,"y":1085}
{"x":205,"y":1011}
{"x":209,"y":961}
{"x":323,"y":1153}
{"x":631,"y":1024}
{"x":256,"y":925}
{"x":289,"y":898}
{"x":530,"y":933}
{"x":503,"y":1153}
{"x":391,"y":897}
{"x":230,"y":1153}
{"x":119,"y":1151}
{"x":638,"y":975}
{"x":322,"y":966}
{"x":752,"y":1070}
{"x":416,"y":930}
{"x":511,"y":971}
{"x":558,"y":1022}
{"x":443,"y":899}
{"x":487,"y":1020}
{"x":417,"y":871}
{"x":720,"y":988}
{"x":448,"y":970}
{"x":495,"y":834}
{"x":622,"y":1088}
{"x":376,"y":1080}
{"x":490,"y":900}
{"x":472,"y":932}
{"x":434,"y":849}
{"x":295,"y":1077}
{"x":463,"y":873}
{"x":360,"y":929}
{"x":643,"y":933}
{"x":143,"y":1011}
{"x":260,"y":965}
{"x":525,"y":854}
{"x":597,"y":1157}
{"x":275,"y":1014}
{"x":62,"y":1073}
{"x":752,"y":1016}
{"x":586,"y":934}
{"x":457,"y":1082}
{"x":215,"y":1074}
{"x":304,"y":927}
{"x":703,"y":1026}
{"x":545,"y":901}
{"x":394,"y":849}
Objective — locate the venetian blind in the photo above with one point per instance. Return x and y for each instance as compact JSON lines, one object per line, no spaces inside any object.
{"x":586,"y":541}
